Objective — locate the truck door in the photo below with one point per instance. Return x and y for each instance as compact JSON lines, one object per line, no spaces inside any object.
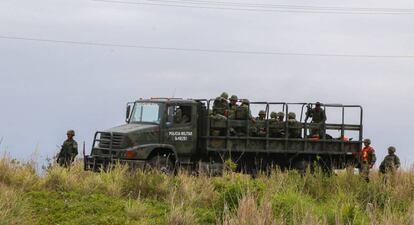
{"x":181,"y":127}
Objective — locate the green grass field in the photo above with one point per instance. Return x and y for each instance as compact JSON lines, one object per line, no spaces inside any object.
{"x":74,"y":196}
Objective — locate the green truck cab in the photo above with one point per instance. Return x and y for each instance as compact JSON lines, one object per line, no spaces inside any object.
{"x":171,"y":133}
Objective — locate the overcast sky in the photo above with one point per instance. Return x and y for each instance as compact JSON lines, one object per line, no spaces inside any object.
{"x":48,"y":88}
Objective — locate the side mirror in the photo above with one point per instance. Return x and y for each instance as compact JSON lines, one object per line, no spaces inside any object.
{"x":128,"y":112}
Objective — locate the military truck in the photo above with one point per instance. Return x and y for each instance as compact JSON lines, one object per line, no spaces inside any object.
{"x":171,"y":133}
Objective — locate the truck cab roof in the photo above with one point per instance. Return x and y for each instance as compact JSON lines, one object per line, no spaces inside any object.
{"x":167,"y":100}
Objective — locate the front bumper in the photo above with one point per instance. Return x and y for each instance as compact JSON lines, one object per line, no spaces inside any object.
{"x":100,"y":163}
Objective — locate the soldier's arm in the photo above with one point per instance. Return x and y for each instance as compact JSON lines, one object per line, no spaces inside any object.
{"x":382,"y":166}
{"x":373,"y":157}
{"x":75,"y":148}
{"x":324,"y":116}
{"x":397,"y":162}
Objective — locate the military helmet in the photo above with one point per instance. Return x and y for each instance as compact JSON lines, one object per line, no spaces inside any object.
{"x":262,"y":112}
{"x":281,"y":114}
{"x":367,"y":140}
{"x":71,"y":132}
{"x":291,"y":115}
{"x":273,"y":115}
{"x":246,"y":101}
{"x":318,"y":104}
{"x":391,"y":149}
{"x":233,"y":98}
{"x":224,"y":95}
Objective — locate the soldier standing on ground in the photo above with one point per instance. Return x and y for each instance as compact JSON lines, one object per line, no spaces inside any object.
{"x":367,"y":159}
{"x":390,"y":164}
{"x":318,"y":116}
{"x":69,"y":150}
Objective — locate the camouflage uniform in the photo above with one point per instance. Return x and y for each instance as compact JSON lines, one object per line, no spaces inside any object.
{"x":261,"y":124}
{"x":220,"y":105}
{"x":243,"y":113}
{"x":233,"y":106}
{"x":68,"y":151}
{"x":318,"y":116}
{"x":294,"y":126}
{"x":276,"y":126}
{"x":390,"y":163}
{"x":367,"y":159}
{"x":220,"y":111}
{"x":280,"y":116}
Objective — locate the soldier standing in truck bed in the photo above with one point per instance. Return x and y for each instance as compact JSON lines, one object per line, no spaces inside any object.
{"x":318,"y":116}
{"x":233,"y":106}
{"x":295,"y":127}
{"x":243,"y":113}
{"x":276,"y":125}
{"x":261,"y":124}
{"x":220,"y":105}
{"x":68,"y":151}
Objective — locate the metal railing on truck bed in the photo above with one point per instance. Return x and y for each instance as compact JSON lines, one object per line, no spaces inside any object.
{"x":249,"y":143}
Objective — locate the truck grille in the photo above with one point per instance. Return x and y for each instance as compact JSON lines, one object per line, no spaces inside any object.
{"x":106,"y":139}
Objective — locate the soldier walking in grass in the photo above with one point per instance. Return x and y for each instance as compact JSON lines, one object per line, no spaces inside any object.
{"x":389,"y":165}
{"x":68,"y":151}
{"x":367,"y":159}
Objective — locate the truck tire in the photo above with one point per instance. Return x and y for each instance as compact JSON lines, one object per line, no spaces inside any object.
{"x":162,"y":163}
{"x":302,"y":166}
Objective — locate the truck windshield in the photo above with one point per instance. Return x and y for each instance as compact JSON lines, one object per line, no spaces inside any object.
{"x":146,"y":112}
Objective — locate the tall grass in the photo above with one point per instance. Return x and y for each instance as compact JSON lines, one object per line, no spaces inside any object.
{"x":119,"y":196}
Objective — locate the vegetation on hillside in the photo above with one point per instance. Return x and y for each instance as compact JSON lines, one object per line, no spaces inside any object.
{"x":74,"y":196}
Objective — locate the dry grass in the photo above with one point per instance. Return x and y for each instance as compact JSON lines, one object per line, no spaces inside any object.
{"x":250,"y":212}
{"x":180,"y":215}
{"x":233,"y":199}
{"x":13,"y":208}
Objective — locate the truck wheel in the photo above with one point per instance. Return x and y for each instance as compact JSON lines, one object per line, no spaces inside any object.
{"x":302,"y":166}
{"x":161,"y":163}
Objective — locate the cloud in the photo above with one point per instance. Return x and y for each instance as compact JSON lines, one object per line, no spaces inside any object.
{"x":48,"y":88}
